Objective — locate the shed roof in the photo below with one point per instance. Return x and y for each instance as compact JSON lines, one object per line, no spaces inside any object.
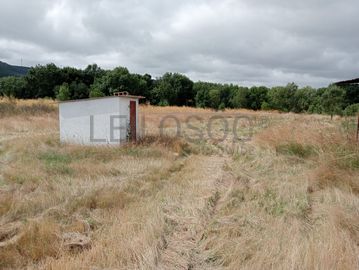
{"x":87,"y":99}
{"x":353,"y":81}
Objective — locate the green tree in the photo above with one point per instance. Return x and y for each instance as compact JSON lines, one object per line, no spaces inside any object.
{"x":64,"y":92}
{"x":12,"y":86}
{"x":175,"y":88}
{"x":352,"y":110}
{"x":202,"y":89}
{"x":215,"y":98}
{"x":351,"y":94}
{"x":227,"y":92}
{"x":95,"y":92}
{"x":316,"y":105}
{"x":120,"y":79}
{"x":78,"y":90}
{"x":256,"y":96}
{"x":147,"y":87}
{"x":41,"y":81}
{"x":92,"y":72}
{"x":265,"y":106}
{"x":240,"y":99}
{"x":333,"y":100}
{"x":282,"y":98}
{"x":202,"y":98}
{"x":70,"y":74}
{"x":113,"y":81}
{"x":303,"y":98}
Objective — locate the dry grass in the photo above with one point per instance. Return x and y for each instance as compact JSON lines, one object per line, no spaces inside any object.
{"x":288,"y":200}
{"x":10,"y":107}
{"x":285,"y":213}
{"x":27,"y":118}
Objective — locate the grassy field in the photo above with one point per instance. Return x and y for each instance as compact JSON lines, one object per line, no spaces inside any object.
{"x":282,"y":194}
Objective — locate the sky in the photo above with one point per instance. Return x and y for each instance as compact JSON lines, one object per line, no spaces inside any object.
{"x":246,"y":42}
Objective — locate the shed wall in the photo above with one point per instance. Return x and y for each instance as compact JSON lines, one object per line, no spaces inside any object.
{"x":76,"y":125}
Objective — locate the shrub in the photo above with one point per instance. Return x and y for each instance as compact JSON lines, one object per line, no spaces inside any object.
{"x":295,"y":149}
{"x":64,"y":92}
{"x":163,"y":103}
{"x":94,"y":92}
{"x":352,"y":110}
{"x":272,"y":203}
{"x":265,"y":106}
{"x":222,"y":107}
{"x":56,"y":162}
{"x":347,"y":157}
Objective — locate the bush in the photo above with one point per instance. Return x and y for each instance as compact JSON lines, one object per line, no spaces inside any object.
{"x":352,"y":110}
{"x":12,"y":86}
{"x":94,"y":92}
{"x":222,"y":107}
{"x":265,"y":106}
{"x":64,"y":92}
{"x":163,"y":103}
{"x":295,"y":149}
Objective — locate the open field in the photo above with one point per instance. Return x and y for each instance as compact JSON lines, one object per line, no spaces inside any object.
{"x":281,"y":194}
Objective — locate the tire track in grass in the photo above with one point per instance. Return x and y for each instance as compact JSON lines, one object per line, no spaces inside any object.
{"x":205,"y":183}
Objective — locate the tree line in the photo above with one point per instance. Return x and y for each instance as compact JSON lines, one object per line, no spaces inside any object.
{"x":50,"y":81}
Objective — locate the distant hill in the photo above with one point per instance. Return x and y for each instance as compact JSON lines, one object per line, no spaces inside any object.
{"x":9,"y":70}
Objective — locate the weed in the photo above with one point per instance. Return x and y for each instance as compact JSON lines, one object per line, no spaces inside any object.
{"x":272,"y":203}
{"x":236,"y":197}
{"x":53,"y":158}
{"x":347,"y":157}
{"x":295,"y":149}
{"x":56,"y":163}
{"x":40,"y":239}
{"x":6,"y":202}
{"x":212,"y":201}
{"x":102,"y":199}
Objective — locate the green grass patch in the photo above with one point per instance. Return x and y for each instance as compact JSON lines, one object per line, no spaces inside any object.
{"x":301,"y":205}
{"x":348,"y":157}
{"x":349,"y":162}
{"x":56,"y":162}
{"x":272,"y":203}
{"x":295,"y":149}
{"x":53,"y":157}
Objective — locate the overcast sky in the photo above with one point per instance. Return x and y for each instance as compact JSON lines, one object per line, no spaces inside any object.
{"x":247,"y":42}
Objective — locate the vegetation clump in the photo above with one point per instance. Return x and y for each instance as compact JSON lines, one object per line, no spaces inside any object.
{"x":295,"y":149}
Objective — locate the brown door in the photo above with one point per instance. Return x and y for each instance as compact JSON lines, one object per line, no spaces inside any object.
{"x":133,"y":120}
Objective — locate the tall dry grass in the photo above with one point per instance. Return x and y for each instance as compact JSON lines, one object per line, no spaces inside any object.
{"x":10,"y":107}
{"x":289,"y":210}
{"x":289,"y":201}
{"x":27,"y":118}
{"x":55,"y":190}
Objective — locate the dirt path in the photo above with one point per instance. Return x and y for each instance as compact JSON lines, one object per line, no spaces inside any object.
{"x":207,"y":181}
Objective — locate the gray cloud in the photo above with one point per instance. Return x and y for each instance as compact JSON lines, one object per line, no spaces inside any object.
{"x":311,"y":42}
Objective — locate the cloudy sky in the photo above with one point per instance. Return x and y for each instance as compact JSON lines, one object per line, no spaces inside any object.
{"x":248,"y":42}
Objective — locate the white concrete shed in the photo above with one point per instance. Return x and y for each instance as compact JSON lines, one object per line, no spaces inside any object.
{"x":100,"y":121}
